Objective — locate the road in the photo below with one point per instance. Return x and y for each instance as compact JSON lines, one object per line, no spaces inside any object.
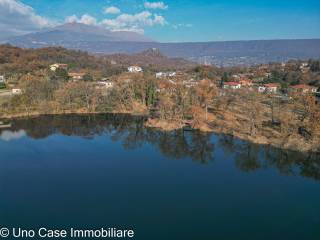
{"x":5,"y":93}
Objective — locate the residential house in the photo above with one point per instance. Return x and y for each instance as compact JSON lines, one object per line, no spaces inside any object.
{"x":56,"y":66}
{"x":105,"y":84}
{"x":76,"y":76}
{"x":160,"y":75}
{"x":272,"y":87}
{"x":165,"y":74}
{"x":135,"y":69}
{"x":246,"y":83}
{"x":241,"y":76}
{"x":236,"y":77}
{"x":302,"y":88}
{"x":262,"y":89}
{"x":258,"y":79}
{"x":16,"y":91}
{"x":231,"y":85}
{"x":304,"y":67}
{"x":268,"y":74}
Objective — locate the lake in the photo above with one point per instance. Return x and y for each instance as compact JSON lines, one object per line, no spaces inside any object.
{"x":110,"y":171}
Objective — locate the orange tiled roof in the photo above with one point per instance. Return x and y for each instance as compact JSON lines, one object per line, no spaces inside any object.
{"x":71,"y":74}
{"x":231,"y":83}
{"x":301,"y":86}
{"x":271,"y":85}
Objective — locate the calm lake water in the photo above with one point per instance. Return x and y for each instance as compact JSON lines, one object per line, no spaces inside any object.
{"x":110,"y":171}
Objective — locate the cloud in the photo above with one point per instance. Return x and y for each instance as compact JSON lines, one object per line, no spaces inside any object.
{"x":134,"y":22}
{"x":155,"y":5}
{"x":112,"y":10}
{"x":72,"y":19}
{"x":85,"y":19}
{"x":124,"y":22}
{"x":182,"y":25}
{"x":17,"y":18}
{"x":158,"y":19}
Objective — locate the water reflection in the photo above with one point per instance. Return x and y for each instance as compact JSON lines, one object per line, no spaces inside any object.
{"x":251,"y":157}
{"x":12,"y":135}
{"x":200,"y":147}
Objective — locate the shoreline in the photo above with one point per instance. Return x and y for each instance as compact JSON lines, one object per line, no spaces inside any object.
{"x":294,"y":143}
{"x":38,"y":114}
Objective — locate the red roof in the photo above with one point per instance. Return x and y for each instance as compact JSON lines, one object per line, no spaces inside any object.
{"x":301,"y":86}
{"x":231,"y":83}
{"x":272,"y":85}
{"x":72,"y":74}
{"x":246,"y":81}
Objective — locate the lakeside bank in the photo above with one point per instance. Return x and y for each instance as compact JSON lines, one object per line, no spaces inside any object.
{"x":227,"y":126}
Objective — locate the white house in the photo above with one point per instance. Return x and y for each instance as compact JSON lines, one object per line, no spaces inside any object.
{"x":231,"y":85}
{"x":269,"y":88}
{"x":76,"y":76}
{"x":262,"y":89}
{"x":105,"y":84}
{"x":159,"y":75}
{"x":55,"y":66}
{"x":304,"y":67}
{"x":165,"y":74}
{"x":135,"y":69}
{"x":272,"y":87}
{"x":16,"y":91}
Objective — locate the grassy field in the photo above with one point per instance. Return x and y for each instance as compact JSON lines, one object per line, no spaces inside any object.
{"x":5,"y":95}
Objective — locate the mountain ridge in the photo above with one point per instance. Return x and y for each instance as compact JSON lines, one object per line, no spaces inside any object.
{"x":72,"y":32}
{"x":97,"y":40}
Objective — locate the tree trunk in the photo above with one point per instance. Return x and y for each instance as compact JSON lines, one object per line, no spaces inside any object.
{"x":206,"y":112}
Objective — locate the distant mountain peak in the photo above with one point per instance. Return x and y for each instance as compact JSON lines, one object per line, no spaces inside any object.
{"x":80,"y":27}
{"x":68,"y":33}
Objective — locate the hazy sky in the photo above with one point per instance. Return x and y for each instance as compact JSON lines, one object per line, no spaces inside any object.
{"x":171,"y":20}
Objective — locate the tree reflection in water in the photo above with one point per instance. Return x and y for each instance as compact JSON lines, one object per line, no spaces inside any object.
{"x":178,"y":144}
{"x":251,"y":157}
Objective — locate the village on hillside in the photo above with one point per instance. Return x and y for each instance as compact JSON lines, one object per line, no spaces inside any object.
{"x":259,"y":78}
{"x":263,"y":103}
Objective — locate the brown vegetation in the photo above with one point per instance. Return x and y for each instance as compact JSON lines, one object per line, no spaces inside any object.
{"x":291,"y":122}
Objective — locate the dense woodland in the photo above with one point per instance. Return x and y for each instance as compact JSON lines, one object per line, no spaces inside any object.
{"x":264,"y":118}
